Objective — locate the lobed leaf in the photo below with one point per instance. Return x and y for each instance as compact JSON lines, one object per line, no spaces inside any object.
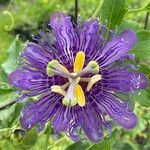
{"x":112,"y":12}
{"x":142,"y":48}
{"x":13,"y":53}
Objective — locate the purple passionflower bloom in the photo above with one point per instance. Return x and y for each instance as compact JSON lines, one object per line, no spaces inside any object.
{"x":78,"y":73}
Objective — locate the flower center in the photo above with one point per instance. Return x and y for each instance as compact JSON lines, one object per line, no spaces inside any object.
{"x":72,"y":91}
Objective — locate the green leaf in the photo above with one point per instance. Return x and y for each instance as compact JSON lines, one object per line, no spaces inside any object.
{"x":6,"y":145}
{"x":130,"y":25}
{"x":6,"y":91}
{"x":147,"y":7}
{"x":13,"y":52}
{"x":146,"y":116}
{"x":143,"y":97}
{"x":145,"y":69}
{"x":30,"y":137}
{"x":39,"y":143}
{"x":120,"y":145}
{"x":142,"y":48}
{"x":147,"y":146}
{"x":143,"y":35}
{"x":78,"y":146}
{"x":9,"y":115}
{"x":47,"y":132}
{"x":112,"y":12}
{"x":3,"y":76}
{"x":61,"y":143}
{"x":5,"y":117}
{"x":16,"y":113}
{"x":106,"y":144}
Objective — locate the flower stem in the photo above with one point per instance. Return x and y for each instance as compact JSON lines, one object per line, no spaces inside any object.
{"x":76,"y":11}
{"x":146,"y":20}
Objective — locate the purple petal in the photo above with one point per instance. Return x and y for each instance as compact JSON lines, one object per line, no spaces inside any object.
{"x":141,"y":80}
{"x":117,"y":48}
{"x":128,"y":56}
{"x":37,"y":56}
{"x":92,"y":126}
{"x":119,"y":112}
{"x":68,"y":121}
{"x":20,"y":79}
{"x":64,"y":33}
{"x":33,"y":81}
{"x":41,"y":111}
{"x":61,"y":120}
{"x":123,"y":81}
{"x":89,"y":37}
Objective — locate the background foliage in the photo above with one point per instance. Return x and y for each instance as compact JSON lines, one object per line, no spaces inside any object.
{"x":19,"y":19}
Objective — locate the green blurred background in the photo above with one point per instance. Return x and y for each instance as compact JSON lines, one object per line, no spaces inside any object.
{"x":19,"y":19}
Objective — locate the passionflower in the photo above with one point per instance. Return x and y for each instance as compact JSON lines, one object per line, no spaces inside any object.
{"x":77,"y":72}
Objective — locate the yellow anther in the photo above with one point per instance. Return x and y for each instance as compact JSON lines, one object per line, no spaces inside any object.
{"x":80,"y":95}
{"x":50,"y":67}
{"x":79,"y":62}
{"x":93,"y":65}
{"x":93,"y":80}
{"x":58,"y":89}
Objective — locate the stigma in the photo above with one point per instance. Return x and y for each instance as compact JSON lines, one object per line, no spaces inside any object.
{"x":72,"y":91}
